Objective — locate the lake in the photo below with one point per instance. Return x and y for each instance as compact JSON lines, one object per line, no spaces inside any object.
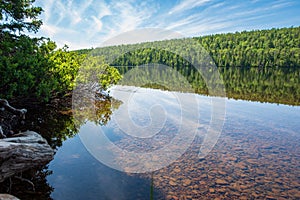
{"x":256,"y":156}
{"x":145,"y":143}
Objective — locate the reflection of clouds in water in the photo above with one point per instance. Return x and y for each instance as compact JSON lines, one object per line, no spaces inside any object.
{"x":127,"y":146}
{"x":135,"y":117}
{"x":153,"y":108}
{"x":75,"y":155}
{"x":178,"y":108}
{"x":146,"y":110}
{"x":180,"y":118}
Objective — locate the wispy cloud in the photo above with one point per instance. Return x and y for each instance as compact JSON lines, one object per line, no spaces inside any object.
{"x":95,"y":20}
{"x":187,"y":5}
{"x":281,"y":4}
{"x":224,"y":16}
{"x":83,"y":24}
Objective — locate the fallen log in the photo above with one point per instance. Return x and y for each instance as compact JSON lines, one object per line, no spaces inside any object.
{"x":22,"y":152}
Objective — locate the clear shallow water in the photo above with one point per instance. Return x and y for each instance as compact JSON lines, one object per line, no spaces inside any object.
{"x":77,"y":175}
{"x":256,"y":156}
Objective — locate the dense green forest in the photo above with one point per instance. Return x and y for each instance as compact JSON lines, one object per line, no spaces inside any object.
{"x":265,"y":48}
{"x":258,"y":48}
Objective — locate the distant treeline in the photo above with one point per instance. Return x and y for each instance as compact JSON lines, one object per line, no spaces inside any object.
{"x":266,"y":48}
{"x":258,"y":48}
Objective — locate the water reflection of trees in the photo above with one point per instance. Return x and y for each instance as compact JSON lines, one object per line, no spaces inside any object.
{"x":56,"y":123}
{"x":97,"y":108}
{"x":273,"y":85}
{"x":25,"y":190}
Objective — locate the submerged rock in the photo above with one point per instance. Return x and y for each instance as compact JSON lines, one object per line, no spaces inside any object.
{"x":22,"y":152}
{"x":7,"y":197}
{"x":221,"y":182}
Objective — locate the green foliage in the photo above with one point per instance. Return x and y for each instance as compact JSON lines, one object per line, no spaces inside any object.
{"x":65,"y":67}
{"x":259,"y":48}
{"x":19,"y":15}
{"x":266,"y":48}
{"x":23,"y":66}
{"x":95,"y":73}
{"x":30,"y":67}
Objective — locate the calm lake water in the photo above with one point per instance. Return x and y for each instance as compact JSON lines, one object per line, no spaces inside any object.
{"x":244,"y":146}
{"x":256,"y":156}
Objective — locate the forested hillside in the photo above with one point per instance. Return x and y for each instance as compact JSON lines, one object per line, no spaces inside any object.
{"x":266,"y":48}
{"x":259,"y":48}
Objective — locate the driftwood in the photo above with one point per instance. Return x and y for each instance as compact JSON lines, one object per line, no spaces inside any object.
{"x":7,"y":121}
{"x":22,"y":152}
{"x":4,"y":104}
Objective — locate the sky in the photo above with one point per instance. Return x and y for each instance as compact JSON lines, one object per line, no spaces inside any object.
{"x":90,"y":23}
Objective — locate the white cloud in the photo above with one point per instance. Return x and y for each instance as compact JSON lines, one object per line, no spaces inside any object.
{"x":182,"y":22}
{"x":129,"y":16}
{"x":83,"y":6}
{"x":49,"y":30}
{"x":223,"y":17}
{"x":83,"y":24}
{"x":47,"y":9}
{"x":187,"y":5}
{"x":281,"y":4}
{"x":98,"y":24}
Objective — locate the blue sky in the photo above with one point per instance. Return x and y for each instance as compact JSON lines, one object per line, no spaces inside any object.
{"x":88,"y":23}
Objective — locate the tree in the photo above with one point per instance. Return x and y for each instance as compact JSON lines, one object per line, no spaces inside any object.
{"x":18,"y":16}
{"x":23,"y":66}
{"x":30,"y":67}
